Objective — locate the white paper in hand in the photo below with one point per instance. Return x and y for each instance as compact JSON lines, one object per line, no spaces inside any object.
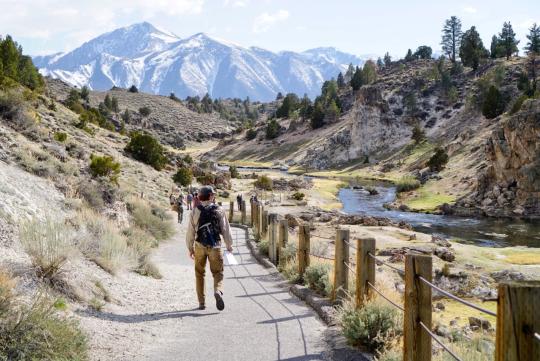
{"x":229,"y":259}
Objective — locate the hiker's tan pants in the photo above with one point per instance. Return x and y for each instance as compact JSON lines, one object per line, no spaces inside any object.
{"x":215,"y":257}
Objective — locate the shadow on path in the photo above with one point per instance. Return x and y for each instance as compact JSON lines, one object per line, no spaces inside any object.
{"x":145,"y":317}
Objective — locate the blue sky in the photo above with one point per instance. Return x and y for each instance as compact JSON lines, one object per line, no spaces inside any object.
{"x":359,"y":27}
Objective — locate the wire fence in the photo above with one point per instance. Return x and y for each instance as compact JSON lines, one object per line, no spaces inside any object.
{"x":379,"y":261}
{"x":386,"y":298}
{"x":365,"y":279}
{"x":436,"y":339}
{"x":448,"y":294}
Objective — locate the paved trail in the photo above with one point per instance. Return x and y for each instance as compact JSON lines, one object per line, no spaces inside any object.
{"x":261,"y":320}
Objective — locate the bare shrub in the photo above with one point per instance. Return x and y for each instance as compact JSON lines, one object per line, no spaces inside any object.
{"x":48,"y":243}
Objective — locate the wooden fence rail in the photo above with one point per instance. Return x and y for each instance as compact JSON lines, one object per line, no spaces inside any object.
{"x":518,"y":320}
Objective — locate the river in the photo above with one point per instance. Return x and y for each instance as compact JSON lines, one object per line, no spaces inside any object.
{"x":483,"y":231}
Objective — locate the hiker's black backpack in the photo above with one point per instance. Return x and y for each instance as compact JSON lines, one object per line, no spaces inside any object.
{"x":209,"y":228}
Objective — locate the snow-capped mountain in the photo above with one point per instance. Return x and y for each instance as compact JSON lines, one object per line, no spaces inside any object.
{"x":159,"y":62}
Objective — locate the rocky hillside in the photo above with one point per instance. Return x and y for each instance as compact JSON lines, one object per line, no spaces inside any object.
{"x":372,"y":137}
{"x":169,"y":120}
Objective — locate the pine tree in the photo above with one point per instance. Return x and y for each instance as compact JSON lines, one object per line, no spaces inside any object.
{"x":493,"y":104}
{"x":279,"y":96}
{"x":9,"y":53}
{"x":349,"y":74}
{"x":133,"y":89}
{"x":108,"y":102}
{"x":423,"y":52}
{"x":451,"y":38}
{"x":114,"y":105}
{"x":317,"y":116}
{"x":494,"y":47}
{"x":380,"y":63}
{"x":409,"y":56}
{"x":369,"y":73}
{"x":472,"y":49}
{"x":85,"y":93}
{"x":332,"y":111}
{"x":341,"y":81}
{"x":387,"y":59}
{"x":533,"y":45}
{"x":507,"y":39}
{"x":356,"y":81}
{"x":305,"y":107}
{"x":28,"y":75}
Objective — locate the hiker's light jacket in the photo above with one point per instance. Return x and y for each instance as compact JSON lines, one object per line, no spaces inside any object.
{"x":194,"y":225}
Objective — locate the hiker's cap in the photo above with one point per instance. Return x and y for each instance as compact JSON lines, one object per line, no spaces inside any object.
{"x":206,"y":191}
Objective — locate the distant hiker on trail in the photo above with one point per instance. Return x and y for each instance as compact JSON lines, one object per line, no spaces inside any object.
{"x":189,"y":201}
{"x":180,"y":207}
{"x":206,"y":224}
{"x":196,"y":200}
{"x":172,"y":200}
{"x":239,"y":201}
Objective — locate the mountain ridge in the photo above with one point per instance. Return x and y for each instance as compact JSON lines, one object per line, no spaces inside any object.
{"x":159,"y":62}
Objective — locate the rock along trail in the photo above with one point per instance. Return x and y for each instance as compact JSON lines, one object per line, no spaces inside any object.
{"x":261,"y":320}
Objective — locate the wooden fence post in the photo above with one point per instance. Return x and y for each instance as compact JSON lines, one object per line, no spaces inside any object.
{"x":231,"y":211}
{"x":416,"y":341}
{"x":365,"y":269}
{"x":272,"y":237}
{"x":264,"y":224}
{"x":260,"y":212}
{"x":518,"y":320}
{"x":283,"y":237}
{"x":243,"y":217}
{"x":341,"y":272}
{"x":303,"y":249}
{"x":252,"y":213}
{"x":257,"y":219}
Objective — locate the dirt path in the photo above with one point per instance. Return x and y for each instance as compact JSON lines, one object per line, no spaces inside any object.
{"x":158,"y":319}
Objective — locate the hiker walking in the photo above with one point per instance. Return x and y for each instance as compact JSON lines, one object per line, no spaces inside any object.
{"x":239,"y":201}
{"x":189,"y":201}
{"x":206,"y":224}
{"x":172,"y":200}
{"x":180,"y":207}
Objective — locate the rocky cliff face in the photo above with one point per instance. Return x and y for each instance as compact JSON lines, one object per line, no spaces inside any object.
{"x":511,"y":184}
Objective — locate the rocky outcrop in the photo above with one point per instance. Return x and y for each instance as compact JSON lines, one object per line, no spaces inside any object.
{"x":510,"y":185}
{"x":370,"y":129}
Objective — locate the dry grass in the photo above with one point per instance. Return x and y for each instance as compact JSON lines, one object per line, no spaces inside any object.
{"x":102,"y":242}
{"x":49,"y":245}
{"x":151,"y":219}
{"x":522,"y":257}
{"x":36,"y":331}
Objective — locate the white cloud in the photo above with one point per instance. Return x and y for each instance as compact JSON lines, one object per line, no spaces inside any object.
{"x":236,"y":3}
{"x":265,"y":21}
{"x":75,"y":22}
{"x":469,"y":9}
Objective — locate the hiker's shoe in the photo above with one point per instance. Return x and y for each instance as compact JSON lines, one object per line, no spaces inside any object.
{"x":220,"y":305}
{"x":202,"y":306}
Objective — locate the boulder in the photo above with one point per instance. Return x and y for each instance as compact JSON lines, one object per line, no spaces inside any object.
{"x":445,"y":254}
{"x":506,"y":275}
{"x":477,"y":323}
{"x":440,"y":241}
{"x":325,"y":217}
